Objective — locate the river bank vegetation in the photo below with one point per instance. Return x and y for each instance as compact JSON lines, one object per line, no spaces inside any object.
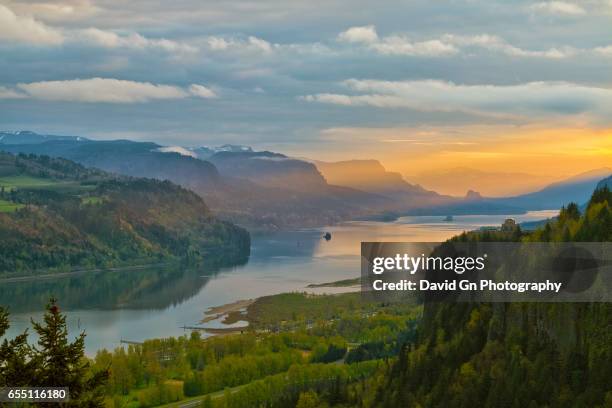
{"x":303,"y":350}
{"x":511,"y":355}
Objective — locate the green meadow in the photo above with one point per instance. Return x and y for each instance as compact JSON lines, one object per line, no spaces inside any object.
{"x":92,"y":200}
{"x":8,"y":206}
{"x":26,"y":182}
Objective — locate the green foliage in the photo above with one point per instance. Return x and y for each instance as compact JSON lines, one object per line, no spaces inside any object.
{"x":228,"y":369}
{"x":28,"y":182}
{"x":594,"y":225}
{"x":310,"y":399}
{"x":56,"y":362}
{"x":513,"y":355}
{"x":333,"y":350}
{"x":328,"y":381}
{"x":272,"y":312}
{"x":64,"y":216}
{"x":163,"y":393}
{"x":9,"y":206}
{"x":207,"y":402}
{"x":17,"y":365}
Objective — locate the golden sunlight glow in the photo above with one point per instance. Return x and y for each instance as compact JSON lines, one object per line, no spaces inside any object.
{"x":494,"y":160}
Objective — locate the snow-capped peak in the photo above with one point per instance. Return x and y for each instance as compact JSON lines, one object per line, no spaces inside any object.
{"x":177,"y":149}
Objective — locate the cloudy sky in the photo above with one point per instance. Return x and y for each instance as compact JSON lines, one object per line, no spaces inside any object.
{"x":419,"y":85}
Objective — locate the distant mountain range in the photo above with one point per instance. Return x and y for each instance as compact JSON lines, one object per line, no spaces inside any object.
{"x":256,"y":189}
{"x":269,"y":190}
{"x":456,"y":181}
{"x":576,"y":189}
{"x":270,"y":169}
{"x":371,"y":176}
{"x":27,"y":137}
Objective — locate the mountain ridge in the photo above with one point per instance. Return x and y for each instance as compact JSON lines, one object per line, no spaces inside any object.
{"x":269,"y":190}
{"x":64,"y":215}
{"x":264,"y":204}
{"x":458,"y":180}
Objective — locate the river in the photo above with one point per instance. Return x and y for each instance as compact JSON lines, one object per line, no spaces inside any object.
{"x":148,"y":303}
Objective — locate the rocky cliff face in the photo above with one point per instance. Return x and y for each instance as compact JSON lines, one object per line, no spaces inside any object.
{"x":269,"y":169}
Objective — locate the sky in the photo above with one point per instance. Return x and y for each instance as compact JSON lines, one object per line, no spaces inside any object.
{"x":428,"y":85}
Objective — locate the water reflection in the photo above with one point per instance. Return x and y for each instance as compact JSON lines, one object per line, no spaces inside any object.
{"x":346,"y":238}
{"x":156,"y":302}
{"x":152,"y":288}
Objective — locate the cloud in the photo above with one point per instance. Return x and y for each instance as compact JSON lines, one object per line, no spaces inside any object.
{"x":445,"y":45}
{"x":527,"y":99}
{"x":249,"y":44}
{"x":260,"y":44}
{"x":495,"y":43}
{"x":202,"y":91}
{"x":105,"y":90}
{"x":401,"y":45}
{"x":605,"y":51}
{"x":558,"y":8}
{"x":26,"y":30}
{"x":6,"y":93}
{"x":395,"y":44}
{"x":217,"y":43}
{"x":364,"y":34}
{"x":109,"y":39}
{"x":100,"y":90}
{"x":55,"y":10}
{"x":376,"y":100}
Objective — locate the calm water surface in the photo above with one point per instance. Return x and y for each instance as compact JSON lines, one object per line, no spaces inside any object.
{"x":141,"y":304}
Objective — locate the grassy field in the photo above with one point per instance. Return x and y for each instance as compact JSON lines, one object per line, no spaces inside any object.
{"x":337,"y":284}
{"x":28,"y":182}
{"x":24,"y":182}
{"x":7,"y":206}
{"x":271,"y":310}
{"x":92,"y":200}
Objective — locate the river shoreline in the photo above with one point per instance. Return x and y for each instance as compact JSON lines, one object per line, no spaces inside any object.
{"x":159,"y":303}
{"x":76,"y":272}
{"x":238,"y":311}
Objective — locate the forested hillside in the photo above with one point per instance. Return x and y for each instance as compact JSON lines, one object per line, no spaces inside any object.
{"x":56,"y":215}
{"x":344,"y":351}
{"x":512,"y":354}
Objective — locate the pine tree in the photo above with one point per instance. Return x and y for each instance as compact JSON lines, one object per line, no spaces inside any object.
{"x":600,"y":195}
{"x":63,"y":364}
{"x":17,"y":363}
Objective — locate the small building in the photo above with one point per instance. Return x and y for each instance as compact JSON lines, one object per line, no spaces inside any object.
{"x":509,"y":225}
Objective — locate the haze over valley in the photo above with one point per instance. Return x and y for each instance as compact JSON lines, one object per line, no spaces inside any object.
{"x":265,"y":190}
